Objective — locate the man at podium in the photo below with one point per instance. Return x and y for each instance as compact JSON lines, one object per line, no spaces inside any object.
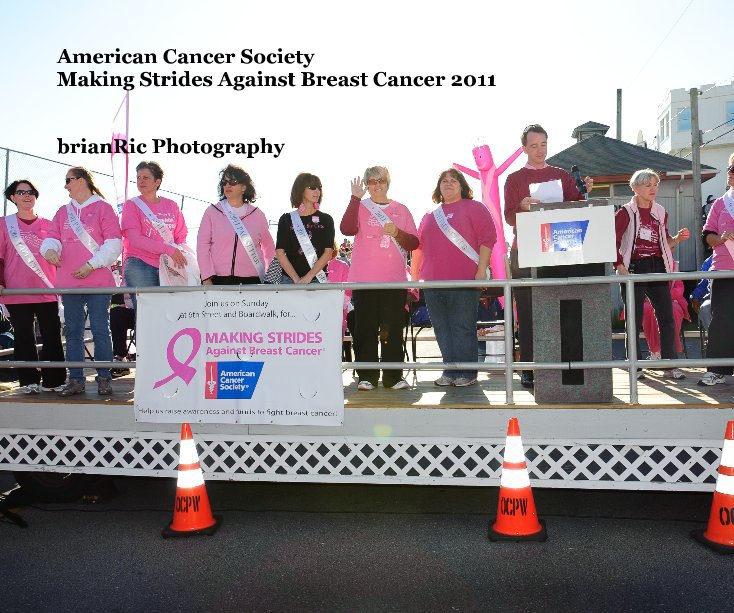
{"x":535,"y":183}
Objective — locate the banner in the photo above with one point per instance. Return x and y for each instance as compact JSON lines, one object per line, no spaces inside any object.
{"x":240,"y":357}
{"x":566,"y":235}
{"x":119,"y":156}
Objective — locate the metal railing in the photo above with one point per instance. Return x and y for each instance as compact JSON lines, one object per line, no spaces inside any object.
{"x":508,"y":366}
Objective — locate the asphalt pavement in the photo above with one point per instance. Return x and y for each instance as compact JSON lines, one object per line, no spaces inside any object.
{"x":313,"y":547}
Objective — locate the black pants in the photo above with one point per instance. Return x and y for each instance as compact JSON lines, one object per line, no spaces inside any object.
{"x":122,"y":319}
{"x":524,"y":302}
{"x":721,"y":330}
{"x":659,"y":294}
{"x":22,"y":317}
{"x":379,"y":316}
{"x":234,"y":280}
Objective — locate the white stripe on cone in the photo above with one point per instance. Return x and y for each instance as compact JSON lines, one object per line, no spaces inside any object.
{"x":727,"y":454}
{"x":725,"y":484}
{"x":515,"y":478}
{"x":190,"y":478}
{"x":513,"y":450}
{"x":188,"y":452}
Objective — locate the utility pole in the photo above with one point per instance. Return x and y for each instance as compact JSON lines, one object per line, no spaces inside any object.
{"x":619,"y":114}
{"x":696,"y":157}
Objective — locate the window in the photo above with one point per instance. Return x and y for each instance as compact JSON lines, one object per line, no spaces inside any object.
{"x":684,"y":120}
{"x":664,"y":131}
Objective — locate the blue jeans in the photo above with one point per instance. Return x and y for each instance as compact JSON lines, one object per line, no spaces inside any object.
{"x":140,"y":274}
{"x":453,"y":315}
{"x":98,"y":306}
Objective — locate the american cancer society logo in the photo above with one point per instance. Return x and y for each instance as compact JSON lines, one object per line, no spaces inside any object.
{"x":231,"y":380}
{"x":563,"y":235}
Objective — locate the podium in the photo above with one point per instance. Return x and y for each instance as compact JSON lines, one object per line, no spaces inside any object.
{"x":570,"y":322}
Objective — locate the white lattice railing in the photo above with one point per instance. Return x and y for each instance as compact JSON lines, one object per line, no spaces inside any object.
{"x":689,"y":465}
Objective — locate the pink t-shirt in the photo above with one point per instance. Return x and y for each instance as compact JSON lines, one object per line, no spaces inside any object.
{"x":100,"y":221}
{"x":17,"y":272}
{"x":444,"y":261}
{"x":141,"y":240}
{"x":720,"y":221}
{"x":219,"y":250}
{"x":375,"y":256}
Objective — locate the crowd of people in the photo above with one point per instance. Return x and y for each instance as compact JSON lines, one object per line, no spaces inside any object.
{"x":80,"y":245}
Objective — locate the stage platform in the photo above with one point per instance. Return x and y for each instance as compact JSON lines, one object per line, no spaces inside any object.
{"x":670,"y":440}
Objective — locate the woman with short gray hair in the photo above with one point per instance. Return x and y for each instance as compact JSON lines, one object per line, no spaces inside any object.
{"x":644,"y":246}
{"x":384,"y":232}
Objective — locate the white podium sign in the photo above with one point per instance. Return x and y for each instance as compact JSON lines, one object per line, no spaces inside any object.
{"x":566,"y":235}
{"x":240,"y":357}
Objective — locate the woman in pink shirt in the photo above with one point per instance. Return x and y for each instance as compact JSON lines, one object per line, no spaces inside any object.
{"x":466,"y":256}
{"x":384,"y":232}
{"x":234,"y":245}
{"x":142,"y":241}
{"x":21,"y":266}
{"x":718,"y":233}
{"x":84,"y":240}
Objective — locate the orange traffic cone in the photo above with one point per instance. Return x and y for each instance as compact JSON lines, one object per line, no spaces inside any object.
{"x":516,"y":518}
{"x":719,"y":535}
{"x":191,"y":511}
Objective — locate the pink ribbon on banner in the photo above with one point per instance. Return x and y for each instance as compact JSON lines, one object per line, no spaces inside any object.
{"x":179,"y":369}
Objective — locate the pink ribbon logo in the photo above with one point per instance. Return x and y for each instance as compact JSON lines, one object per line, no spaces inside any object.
{"x":179,"y":369}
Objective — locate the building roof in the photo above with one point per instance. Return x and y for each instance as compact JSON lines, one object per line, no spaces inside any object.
{"x":590,"y":126}
{"x":601,"y":156}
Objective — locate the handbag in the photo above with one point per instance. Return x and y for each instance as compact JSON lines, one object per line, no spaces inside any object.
{"x":274,"y":273}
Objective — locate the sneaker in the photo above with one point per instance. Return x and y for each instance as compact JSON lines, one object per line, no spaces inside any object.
{"x":119,"y":372}
{"x":463,"y":382}
{"x":33,"y":388}
{"x":400,"y":385}
{"x":72,"y":388}
{"x":711,"y":378}
{"x":58,"y":388}
{"x":654,"y":356}
{"x":104,"y":386}
{"x":640,"y":374}
{"x":443,"y":381}
{"x":365,"y":386}
{"x":674,"y":373}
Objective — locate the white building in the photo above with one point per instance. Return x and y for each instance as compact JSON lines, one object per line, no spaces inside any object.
{"x":716,"y":121}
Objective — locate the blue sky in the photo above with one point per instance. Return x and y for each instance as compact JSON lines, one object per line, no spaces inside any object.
{"x":554,"y":63}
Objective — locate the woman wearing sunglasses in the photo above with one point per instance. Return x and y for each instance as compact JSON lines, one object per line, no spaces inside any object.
{"x":21,"y":266}
{"x":84,"y":240}
{"x":234,"y":245}
{"x":305,"y":239}
{"x":718,"y":233}
{"x":152,"y":226}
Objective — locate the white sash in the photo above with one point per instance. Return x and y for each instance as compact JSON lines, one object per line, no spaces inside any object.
{"x":729,"y":205}
{"x":244,"y":237}
{"x":78,"y":227}
{"x":11,"y":221}
{"x":159,"y":225}
{"x":383,"y":218}
{"x":306,"y":245}
{"x":457,"y":239}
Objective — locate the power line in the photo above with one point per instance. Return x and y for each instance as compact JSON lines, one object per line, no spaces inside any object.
{"x":644,"y":66}
{"x":717,"y":137}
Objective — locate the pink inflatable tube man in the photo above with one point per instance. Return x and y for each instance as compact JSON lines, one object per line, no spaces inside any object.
{"x":489,"y":176}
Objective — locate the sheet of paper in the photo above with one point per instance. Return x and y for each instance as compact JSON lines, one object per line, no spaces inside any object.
{"x":548,"y":191}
